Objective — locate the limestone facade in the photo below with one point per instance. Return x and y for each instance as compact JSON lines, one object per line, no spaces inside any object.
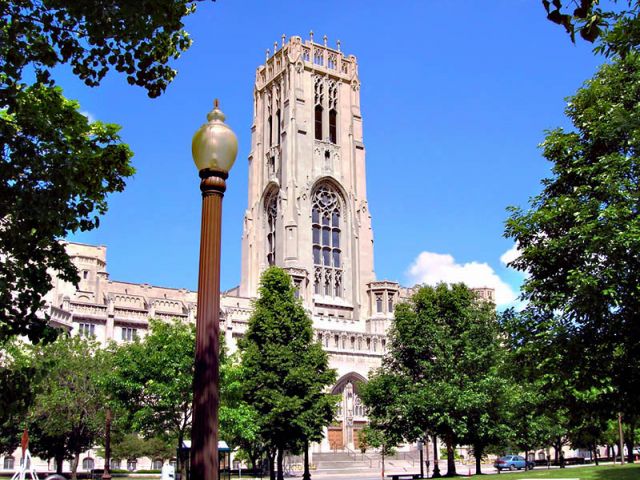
{"x":307,"y":213}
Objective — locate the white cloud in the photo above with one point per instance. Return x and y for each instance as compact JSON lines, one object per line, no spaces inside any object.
{"x":432,"y":268}
{"x":510,"y":255}
{"x":89,"y":115}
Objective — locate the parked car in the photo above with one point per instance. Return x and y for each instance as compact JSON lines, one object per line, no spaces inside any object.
{"x":512,"y":462}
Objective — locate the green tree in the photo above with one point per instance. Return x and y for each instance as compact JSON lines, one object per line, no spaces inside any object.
{"x":377,"y":436}
{"x":16,"y":382}
{"x":132,"y":446}
{"x":440,"y":375}
{"x":580,"y":240}
{"x":152,"y":379}
{"x":67,"y":416}
{"x":57,"y":168}
{"x":615,"y":28}
{"x":286,"y":371}
{"x":238,"y":419}
{"x":538,"y":404}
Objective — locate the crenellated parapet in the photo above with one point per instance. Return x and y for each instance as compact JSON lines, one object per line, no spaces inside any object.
{"x":298,"y":54}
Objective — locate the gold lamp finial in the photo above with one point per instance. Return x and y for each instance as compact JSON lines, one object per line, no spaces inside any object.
{"x":214,"y":145}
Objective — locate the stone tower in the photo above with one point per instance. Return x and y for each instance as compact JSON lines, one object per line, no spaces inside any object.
{"x":307,"y":209}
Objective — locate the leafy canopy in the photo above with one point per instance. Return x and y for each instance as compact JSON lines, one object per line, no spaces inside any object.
{"x":286,"y":371}
{"x":440,"y":374}
{"x":57,"y":168}
{"x":580,"y":237}
{"x":67,"y":416}
{"x":616,"y":28}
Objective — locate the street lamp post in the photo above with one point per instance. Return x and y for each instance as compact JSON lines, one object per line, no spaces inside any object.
{"x":436,"y":465}
{"x":214,"y":148}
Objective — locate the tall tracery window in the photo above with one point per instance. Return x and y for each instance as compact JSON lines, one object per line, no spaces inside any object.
{"x":325,"y":219}
{"x":318,"y":122}
{"x":272,"y":215}
{"x":318,"y":88}
{"x":333,"y":135}
{"x":333,"y":112}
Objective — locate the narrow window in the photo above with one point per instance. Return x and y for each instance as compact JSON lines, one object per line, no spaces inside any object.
{"x":270,"y":124}
{"x":390,"y":304}
{"x":333,"y":137}
{"x":272,"y":215}
{"x":379,"y":303}
{"x":318,"y":122}
{"x":278,"y":127}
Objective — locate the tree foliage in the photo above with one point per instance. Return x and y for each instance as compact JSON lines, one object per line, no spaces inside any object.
{"x":616,"y":28}
{"x":67,"y":416}
{"x":16,"y":380}
{"x":132,"y":446}
{"x":57,"y":168}
{"x":286,"y":371}
{"x":440,"y":375}
{"x":153,"y":379}
{"x":580,"y":239}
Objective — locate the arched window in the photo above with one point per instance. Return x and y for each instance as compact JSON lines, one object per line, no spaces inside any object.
{"x":116,"y":464}
{"x":132,"y":465}
{"x":325,"y":219}
{"x":87,"y":463}
{"x":333,"y":136}
{"x":272,"y":215}
{"x":9,"y":463}
{"x":318,"y":122}
{"x":157,"y":464}
{"x":270,"y":127}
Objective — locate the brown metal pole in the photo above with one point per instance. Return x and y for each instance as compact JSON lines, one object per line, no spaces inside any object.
{"x":204,"y":436}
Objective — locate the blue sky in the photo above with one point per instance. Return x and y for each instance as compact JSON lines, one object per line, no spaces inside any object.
{"x":455,"y":99}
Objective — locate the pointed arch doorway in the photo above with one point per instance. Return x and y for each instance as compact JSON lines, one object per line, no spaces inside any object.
{"x":351,"y":413}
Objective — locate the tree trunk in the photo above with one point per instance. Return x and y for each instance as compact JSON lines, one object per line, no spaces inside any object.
{"x":306,"y":474}
{"x":280,"y":463}
{"x":106,"y":474}
{"x":254,"y":460}
{"x":629,"y":444}
{"x":451,"y":460}
{"x":74,"y":466}
{"x":272,"y":465}
{"x":59,"y":460}
{"x":182,"y":461}
{"x":477,"y":452}
{"x":595,"y":454}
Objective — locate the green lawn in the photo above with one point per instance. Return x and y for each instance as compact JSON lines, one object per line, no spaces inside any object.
{"x":605,"y":472}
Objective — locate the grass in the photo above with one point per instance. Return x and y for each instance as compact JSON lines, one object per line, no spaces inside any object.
{"x":604,"y":472}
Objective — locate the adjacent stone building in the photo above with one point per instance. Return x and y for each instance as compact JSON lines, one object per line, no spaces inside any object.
{"x":307,"y":213}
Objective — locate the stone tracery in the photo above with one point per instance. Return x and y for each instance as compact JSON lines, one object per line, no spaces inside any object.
{"x":325,"y":219}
